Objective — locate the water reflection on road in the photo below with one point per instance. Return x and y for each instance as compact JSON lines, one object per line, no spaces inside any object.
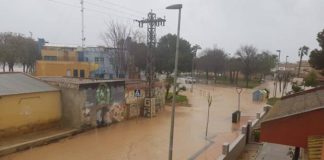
{"x":143,"y":138}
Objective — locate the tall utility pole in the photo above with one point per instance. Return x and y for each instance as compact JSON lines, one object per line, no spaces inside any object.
{"x":152,"y":22}
{"x":82,"y":26}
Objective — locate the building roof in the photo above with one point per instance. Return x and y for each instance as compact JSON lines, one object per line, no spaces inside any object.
{"x":77,"y":81}
{"x":298,"y":103}
{"x":20,"y":83}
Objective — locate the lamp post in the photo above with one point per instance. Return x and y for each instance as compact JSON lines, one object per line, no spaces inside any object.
{"x":285,"y":77}
{"x":196,"y":47}
{"x":276,"y":75}
{"x":239,"y":91}
{"x":286,"y":63}
{"x":178,"y":7}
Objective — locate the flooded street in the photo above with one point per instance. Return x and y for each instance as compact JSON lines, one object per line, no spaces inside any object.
{"x":145,"y":138}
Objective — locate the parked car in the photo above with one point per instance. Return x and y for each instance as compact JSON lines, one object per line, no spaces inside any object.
{"x":190,"y":80}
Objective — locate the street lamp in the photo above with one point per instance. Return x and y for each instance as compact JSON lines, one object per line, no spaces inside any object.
{"x":276,"y":75}
{"x":286,"y":63}
{"x":178,"y":7}
{"x":239,"y":91}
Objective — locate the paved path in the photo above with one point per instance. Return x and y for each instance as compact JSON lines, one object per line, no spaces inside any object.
{"x":143,"y":138}
{"x":270,"y":151}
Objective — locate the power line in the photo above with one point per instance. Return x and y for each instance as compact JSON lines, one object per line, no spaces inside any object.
{"x":120,"y":6}
{"x":89,"y":9}
{"x":101,"y":6}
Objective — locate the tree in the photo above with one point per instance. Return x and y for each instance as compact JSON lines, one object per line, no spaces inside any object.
{"x":164,"y":55}
{"x":116,"y":35}
{"x":303,"y":51}
{"x":316,"y":57}
{"x":15,"y":48}
{"x":233,"y":67}
{"x":29,"y":54}
{"x":265,"y":62}
{"x":311,"y":79}
{"x":248,"y":57}
{"x":138,"y":51}
{"x":214,"y":61}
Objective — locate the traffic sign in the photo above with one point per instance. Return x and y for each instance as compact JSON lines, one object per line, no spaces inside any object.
{"x":137,"y":93}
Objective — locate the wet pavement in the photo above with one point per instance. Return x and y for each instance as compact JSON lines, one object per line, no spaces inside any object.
{"x":144,"y":138}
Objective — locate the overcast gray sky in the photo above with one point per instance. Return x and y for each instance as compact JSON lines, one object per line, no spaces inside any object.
{"x":227,"y":24}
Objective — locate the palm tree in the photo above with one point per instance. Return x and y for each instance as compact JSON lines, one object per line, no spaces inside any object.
{"x":303,"y":51}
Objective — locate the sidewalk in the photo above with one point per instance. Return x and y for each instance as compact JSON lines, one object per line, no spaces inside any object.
{"x":214,"y":148}
{"x":270,"y":151}
{"x":18,"y":143}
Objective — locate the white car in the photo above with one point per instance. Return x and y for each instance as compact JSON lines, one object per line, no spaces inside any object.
{"x":190,"y":80}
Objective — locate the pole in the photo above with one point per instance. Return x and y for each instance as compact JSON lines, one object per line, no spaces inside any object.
{"x":239,"y":101}
{"x":174,"y":88}
{"x":276,"y":78}
{"x":192,"y":69}
{"x":210,"y":99}
{"x":82,"y":26}
{"x":296,"y":153}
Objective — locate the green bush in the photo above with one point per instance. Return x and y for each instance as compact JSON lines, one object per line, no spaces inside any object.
{"x":180,"y":99}
{"x":311,"y":79}
{"x":272,"y":101}
{"x":296,"y":88}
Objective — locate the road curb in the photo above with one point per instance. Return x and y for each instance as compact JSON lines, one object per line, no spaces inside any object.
{"x":37,"y":142}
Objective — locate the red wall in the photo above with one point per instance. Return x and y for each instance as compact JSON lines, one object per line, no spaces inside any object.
{"x":293,"y":130}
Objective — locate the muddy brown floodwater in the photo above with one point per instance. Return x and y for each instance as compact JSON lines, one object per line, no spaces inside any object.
{"x":143,"y":138}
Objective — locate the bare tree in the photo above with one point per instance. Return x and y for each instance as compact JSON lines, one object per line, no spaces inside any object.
{"x":248,"y":57}
{"x":116,"y":36}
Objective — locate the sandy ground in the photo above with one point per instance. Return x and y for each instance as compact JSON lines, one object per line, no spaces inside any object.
{"x":143,"y":138}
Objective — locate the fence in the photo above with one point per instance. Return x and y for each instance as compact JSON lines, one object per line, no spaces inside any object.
{"x":233,"y":151}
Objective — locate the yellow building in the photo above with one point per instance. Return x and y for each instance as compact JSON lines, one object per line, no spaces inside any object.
{"x":27,"y":104}
{"x":65,"y":68}
{"x":59,"y":53}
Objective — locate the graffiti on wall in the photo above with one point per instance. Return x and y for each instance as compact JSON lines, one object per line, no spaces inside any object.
{"x":104,"y":104}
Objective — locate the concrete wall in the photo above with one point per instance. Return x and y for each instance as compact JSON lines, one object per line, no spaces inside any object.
{"x":71,"y":111}
{"x":28,"y":112}
{"x":237,"y":146}
{"x":135,"y":104}
{"x":61,"y":68}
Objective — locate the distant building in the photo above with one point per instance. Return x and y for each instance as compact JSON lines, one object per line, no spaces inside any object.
{"x":62,"y":60}
{"x":27,"y":104}
{"x":65,"y":69}
{"x":51,"y":52}
{"x":103,"y":57}
{"x":289,"y":67}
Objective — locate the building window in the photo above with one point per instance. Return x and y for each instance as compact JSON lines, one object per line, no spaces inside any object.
{"x":99,"y":60}
{"x":75,"y":73}
{"x":50,"y":58}
{"x":96,"y":59}
{"x":82,"y":73}
{"x":68,"y":73}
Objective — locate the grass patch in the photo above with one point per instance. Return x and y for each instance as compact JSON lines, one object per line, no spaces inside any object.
{"x":180,"y":99}
{"x":272,"y":101}
{"x":225,"y":81}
